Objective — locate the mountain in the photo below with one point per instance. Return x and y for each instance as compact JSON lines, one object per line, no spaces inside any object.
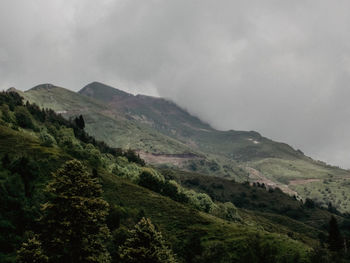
{"x":164,"y":134}
{"x":35,"y":143}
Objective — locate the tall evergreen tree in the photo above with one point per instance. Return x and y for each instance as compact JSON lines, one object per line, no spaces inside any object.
{"x":335,"y":239}
{"x":146,"y":245}
{"x":74,"y":228}
{"x":79,"y":121}
{"x":6,"y":161}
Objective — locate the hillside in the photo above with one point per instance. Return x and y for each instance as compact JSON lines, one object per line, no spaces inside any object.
{"x":35,"y":143}
{"x":114,"y":128}
{"x":165,"y":134}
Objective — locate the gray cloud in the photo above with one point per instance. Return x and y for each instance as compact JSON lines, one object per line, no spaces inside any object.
{"x":278,"y":67}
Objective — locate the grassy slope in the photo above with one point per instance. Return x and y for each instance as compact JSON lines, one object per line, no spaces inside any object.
{"x":111,"y":127}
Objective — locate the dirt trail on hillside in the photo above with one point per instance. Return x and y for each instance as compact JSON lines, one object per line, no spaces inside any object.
{"x":174,"y":159}
{"x":303,"y":181}
{"x":312,"y":180}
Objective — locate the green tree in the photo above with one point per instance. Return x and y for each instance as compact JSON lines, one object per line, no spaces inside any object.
{"x":320,"y":255}
{"x":335,"y":239}
{"x":74,"y":217}
{"x":5,"y":161}
{"x":31,"y":252}
{"x":27,"y":168}
{"x":133,"y":157}
{"x":6,"y":115}
{"x":79,"y":121}
{"x":23,"y":117}
{"x":93,"y":155}
{"x":150,"y":181}
{"x":193,"y":248}
{"x":145,"y":245}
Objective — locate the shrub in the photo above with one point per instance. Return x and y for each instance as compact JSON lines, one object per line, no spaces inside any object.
{"x":46,"y":139}
{"x":201,"y":201}
{"x":150,"y":180}
{"x":127,"y":170}
{"x":226,"y":211}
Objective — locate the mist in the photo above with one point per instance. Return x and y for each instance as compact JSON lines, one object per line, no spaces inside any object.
{"x":281,"y":68}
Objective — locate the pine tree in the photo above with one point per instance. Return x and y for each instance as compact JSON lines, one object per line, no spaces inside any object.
{"x":31,"y":252}
{"x":74,"y":228}
{"x":320,"y":255}
{"x":6,"y":161}
{"x":335,"y":239}
{"x":79,"y":121}
{"x":145,"y":245}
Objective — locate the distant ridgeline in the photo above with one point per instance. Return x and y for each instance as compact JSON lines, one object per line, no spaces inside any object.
{"x":67,"y":197}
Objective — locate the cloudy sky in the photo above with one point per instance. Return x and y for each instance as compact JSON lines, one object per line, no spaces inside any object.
{"x":278,"y":67}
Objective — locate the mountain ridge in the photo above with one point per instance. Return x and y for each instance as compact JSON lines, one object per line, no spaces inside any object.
{"x":159,"y":112}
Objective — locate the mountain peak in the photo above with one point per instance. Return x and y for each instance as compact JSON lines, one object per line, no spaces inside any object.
{"x":44,"y":86}
{"x":102,"y":91}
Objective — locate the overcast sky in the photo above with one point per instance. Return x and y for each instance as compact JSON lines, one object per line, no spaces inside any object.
{"x":281,"y":68}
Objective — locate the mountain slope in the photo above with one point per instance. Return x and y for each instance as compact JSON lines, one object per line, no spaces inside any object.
{"x":169,"y":119}
{"x":165,"y":134}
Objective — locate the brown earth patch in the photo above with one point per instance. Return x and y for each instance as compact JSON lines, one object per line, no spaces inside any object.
{"x":174,"y":159}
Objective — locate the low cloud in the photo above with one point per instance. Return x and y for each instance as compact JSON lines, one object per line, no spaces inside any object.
{"x":277,"y":67}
